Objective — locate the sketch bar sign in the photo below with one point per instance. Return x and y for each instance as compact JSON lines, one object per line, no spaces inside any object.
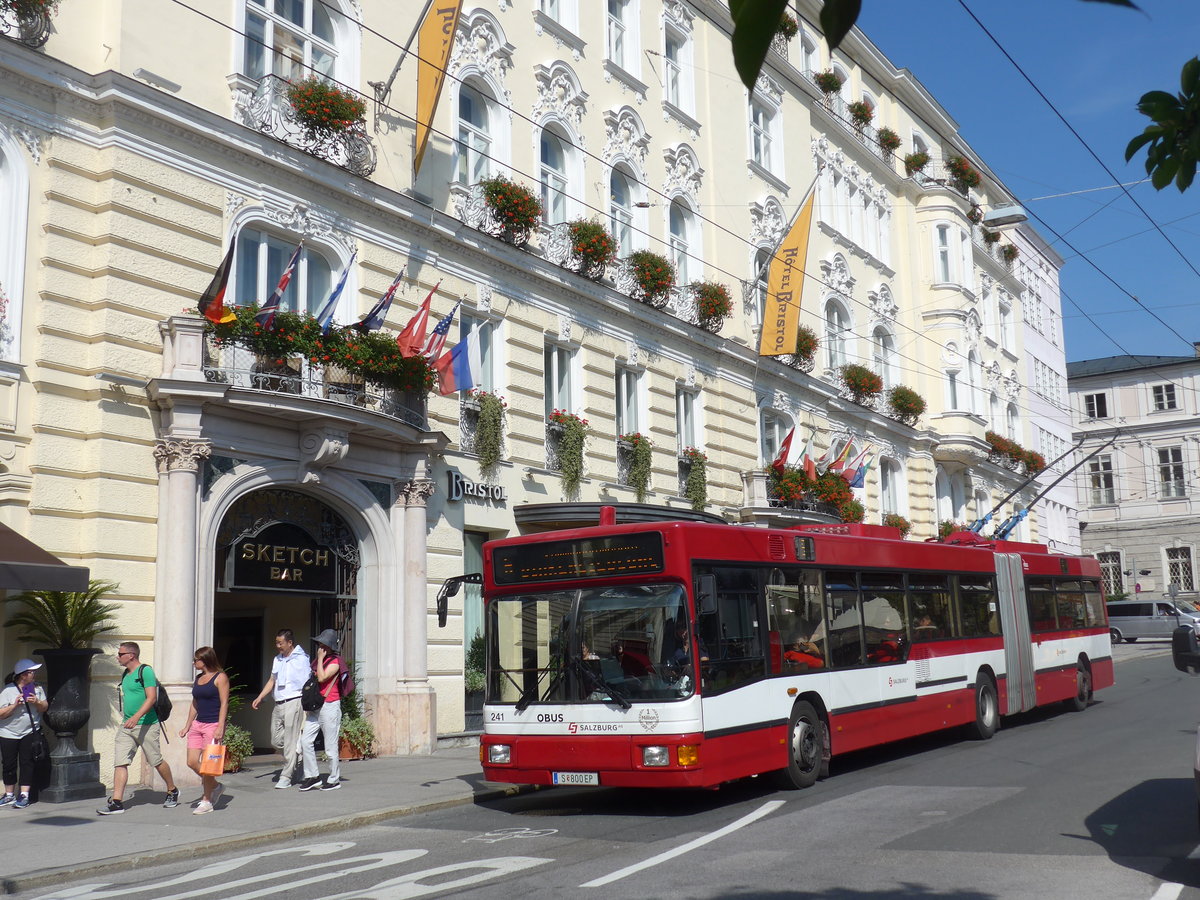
{"x":284,"y":557}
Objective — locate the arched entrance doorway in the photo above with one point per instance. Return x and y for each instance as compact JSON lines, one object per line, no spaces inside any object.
{"x":284,"y":559}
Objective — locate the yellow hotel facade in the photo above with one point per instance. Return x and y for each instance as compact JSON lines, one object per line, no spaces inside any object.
{"x":228,"y":499}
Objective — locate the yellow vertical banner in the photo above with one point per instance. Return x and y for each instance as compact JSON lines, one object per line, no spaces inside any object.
{"x":785,"y":283}
{"x":435,"y":40}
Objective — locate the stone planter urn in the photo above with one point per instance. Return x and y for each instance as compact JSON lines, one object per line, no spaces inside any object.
{"x":74,"y":773}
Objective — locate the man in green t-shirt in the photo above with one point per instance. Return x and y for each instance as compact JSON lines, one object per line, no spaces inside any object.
{"x":139,"y":730}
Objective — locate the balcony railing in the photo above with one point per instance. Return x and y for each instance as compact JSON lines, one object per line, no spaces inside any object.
{"x":296,"y":376}
{"x":472,"y":209}
{"x":32,"y":30}
{"x":268,"y":110}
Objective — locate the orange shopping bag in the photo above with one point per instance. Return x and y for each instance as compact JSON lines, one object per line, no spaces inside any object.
{"x":213,"y":760}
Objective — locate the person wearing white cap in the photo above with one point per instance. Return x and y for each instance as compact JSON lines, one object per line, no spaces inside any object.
{"x":22,"y":703}
{"x":326,"y":666}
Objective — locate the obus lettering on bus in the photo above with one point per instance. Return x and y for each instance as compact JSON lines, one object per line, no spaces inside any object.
{"x":550,"y":717}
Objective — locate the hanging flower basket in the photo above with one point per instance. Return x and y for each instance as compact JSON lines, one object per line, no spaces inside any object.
{"x":861,"y":383}
{"x":489,"y":429}
{"x":514,"y":207}
{"x":653,"y":277}
{"x":641,"y":451}
{"x":594,"y":247}
{"x":1009,"y":253}
{"x":990,"y":237}
{"x":888,"y":140}
{"x":322,"y":108}
{"x":572,"y":437}
{"x":915,"y":162}
{"x":788,"y":27}
{"x":861,"y":112}
{"x":975,"y":214}
{"x":905,"y":404}
{"x":713,"y":304}
{"x":963,"y":176}
{"x":895,"y":520}
{"x":695,"y":488}
{"x":828,"y":82}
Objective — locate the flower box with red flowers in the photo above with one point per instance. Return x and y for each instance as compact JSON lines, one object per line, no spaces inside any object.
{"x":322,"y":108}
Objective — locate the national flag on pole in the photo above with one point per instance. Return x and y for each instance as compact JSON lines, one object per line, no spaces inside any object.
{"x":458,"y":369}
{"x":266,"y":315}
{"x":212,"y":302}
{"x":823,"y":461}
{"x":435,"y":40}
{"x":790,"y":453}
{"x":785,"y":283}
{"x":412,"y":338}
{"x":836,"y":465}
{"x":325,"y":316}
{"x":806,"y":458}
{"x":850,"y":471}
{"x":860,"y":477}
{"x":437,"y":340}
{"x":373,"y":320}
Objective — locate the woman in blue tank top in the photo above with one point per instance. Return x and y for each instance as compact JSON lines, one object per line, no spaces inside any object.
{"x":206,"y":719}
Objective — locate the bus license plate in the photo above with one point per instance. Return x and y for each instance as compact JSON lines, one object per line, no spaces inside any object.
{"x":576,"y":778}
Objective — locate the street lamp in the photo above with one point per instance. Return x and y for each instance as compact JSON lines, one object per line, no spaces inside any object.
{"x":1001,"y":216}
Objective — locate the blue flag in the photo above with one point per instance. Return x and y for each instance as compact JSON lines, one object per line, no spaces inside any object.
{"x":374,"y":319}
{"x":325,"y":316}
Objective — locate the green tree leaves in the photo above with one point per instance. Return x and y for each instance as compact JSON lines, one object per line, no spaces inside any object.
{"x":1173,"y":142}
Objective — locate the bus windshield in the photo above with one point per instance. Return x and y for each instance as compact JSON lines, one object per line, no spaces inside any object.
{"x":619,"y":645}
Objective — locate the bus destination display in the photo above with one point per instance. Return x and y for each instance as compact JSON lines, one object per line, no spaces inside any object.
{"x":630,"y":554}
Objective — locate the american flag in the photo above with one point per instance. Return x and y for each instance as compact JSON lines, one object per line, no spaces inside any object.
{"x":437,"y":340}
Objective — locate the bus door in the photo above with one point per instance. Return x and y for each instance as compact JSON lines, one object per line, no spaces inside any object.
{"x":1021,"y":691}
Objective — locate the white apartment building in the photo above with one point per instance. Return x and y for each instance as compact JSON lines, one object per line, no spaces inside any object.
{"x":1139,"y":498}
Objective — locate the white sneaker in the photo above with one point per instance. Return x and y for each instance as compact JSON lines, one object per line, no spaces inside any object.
{"x":202,"y":807}
{"x":283,"y":784}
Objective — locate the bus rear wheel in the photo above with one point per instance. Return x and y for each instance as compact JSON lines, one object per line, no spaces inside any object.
{"x":806,"y":748}
{"x":987,"y":709}
{"x":1083,"y":689}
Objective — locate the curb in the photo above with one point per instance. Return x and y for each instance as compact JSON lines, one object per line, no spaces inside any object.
{"x":19,"y":883}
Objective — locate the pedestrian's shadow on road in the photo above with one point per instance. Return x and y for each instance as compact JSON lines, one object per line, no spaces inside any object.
{"x":1150,"y":828}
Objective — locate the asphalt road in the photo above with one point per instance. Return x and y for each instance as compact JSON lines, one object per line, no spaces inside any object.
{"x":1098,"y":804}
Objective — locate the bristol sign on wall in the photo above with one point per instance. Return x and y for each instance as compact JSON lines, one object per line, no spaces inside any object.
{"x":461,"y":488}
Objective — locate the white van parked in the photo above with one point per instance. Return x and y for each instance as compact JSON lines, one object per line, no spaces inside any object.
{"x":1129,"y":620}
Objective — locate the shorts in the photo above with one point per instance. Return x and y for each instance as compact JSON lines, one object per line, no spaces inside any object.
{"x":200,"y":734}
{"x":130,"y":740}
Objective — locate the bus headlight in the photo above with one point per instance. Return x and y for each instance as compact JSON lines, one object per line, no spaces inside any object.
{"x":689,"y":755}
{"x":656,"y":756}
{"x":499,"y":753}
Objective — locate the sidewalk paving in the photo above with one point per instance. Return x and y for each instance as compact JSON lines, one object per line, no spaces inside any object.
{"x":75,"y":842}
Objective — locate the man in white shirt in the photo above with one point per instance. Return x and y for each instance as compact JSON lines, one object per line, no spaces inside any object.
{"x":289,"y":671}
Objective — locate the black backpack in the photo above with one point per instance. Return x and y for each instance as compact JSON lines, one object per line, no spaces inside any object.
{"x":162,"y":703}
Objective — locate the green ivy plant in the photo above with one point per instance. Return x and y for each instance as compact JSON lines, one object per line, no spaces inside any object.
{"x":489,"y":432}
{"x":695,"y":488}
{"x":570,"y":448}
{"x":639,"y":467}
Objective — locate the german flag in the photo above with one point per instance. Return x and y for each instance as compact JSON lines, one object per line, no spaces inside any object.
{"x":212,"y":303}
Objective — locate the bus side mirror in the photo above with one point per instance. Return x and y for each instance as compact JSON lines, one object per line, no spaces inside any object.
{"x":706,"y":594}
{"x":1185,"y":651}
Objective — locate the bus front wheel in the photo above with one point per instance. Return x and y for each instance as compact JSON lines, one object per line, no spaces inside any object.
{"x":806,"y":747}
{"x":987,"y":708}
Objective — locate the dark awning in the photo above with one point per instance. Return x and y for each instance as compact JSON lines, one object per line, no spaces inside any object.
{"x":24,"y":566}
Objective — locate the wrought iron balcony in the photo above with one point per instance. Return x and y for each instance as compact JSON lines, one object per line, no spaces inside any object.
{"x":296,"y":376}
{"x":31,"y":29}
{"x":267,"y":109}
{"x":472,"y":209}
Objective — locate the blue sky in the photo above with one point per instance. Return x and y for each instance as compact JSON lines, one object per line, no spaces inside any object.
{"x":1092,"y":61}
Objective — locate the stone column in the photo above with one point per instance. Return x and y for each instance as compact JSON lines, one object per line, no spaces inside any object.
{"x":407,"y":723}
{"x":179,"y":460}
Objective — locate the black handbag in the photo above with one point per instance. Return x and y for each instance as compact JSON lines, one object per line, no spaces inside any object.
{"x":310,"y":695}
{"x":40,"y":751}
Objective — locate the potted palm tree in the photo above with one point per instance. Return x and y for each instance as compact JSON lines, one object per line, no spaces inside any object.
{"x":69,"y":622}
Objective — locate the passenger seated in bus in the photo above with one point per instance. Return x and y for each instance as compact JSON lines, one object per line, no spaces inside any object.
{"x":803,"y":653}
{"x":925,"y":629}
{"x":887,"y":650}
{"x":587,"y":652}
{"x":633,"y":664}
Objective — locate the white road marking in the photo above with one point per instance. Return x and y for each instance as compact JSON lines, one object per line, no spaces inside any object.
{"x":1168,"y":890}
{"x":765,"y":809}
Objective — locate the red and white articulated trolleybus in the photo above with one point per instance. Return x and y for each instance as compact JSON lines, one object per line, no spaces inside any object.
{"x":688,"y":654}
